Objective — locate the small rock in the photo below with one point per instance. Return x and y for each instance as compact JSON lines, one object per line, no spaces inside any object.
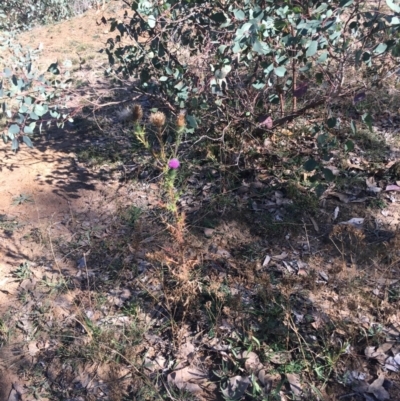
{"x":208,"y":232}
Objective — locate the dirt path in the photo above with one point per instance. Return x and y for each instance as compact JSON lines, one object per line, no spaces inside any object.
{"x":43,"y":187}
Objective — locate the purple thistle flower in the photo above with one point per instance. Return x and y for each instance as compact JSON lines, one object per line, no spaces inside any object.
{"x":174,"y":164}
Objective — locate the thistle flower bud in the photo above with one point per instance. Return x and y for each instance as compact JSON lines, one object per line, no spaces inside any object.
{"x":137,"y":112}
{"x":180,"y":120}
{"x":158,"y":119}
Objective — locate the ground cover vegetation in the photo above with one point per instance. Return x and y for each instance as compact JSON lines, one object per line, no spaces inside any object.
{"x":248,"y":249}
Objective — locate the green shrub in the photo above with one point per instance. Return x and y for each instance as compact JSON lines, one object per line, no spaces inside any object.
{"x":17,"y":15}
{"x":254,"y":65}
{"x":29,"y":100}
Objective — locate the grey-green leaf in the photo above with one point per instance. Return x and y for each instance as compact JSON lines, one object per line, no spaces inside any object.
{"x":393,"y":6}
{"x":152,"y":21}
{"x":13,"y":129}
{"x":40,"y":110}
{"x":280,"y":71}
{"x":28,"y":130}
{"x":261,"y":47}
{"x":27,"y":141}
{"x":239,"y":14}
{"x":15,"y":144}
{"x":312,"y":48}
{"x":322,"y":58}
{"x":381,"y":48}
{"x":191,"y":121}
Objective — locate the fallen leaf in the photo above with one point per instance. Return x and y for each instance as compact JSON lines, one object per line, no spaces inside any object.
{"x":13,"y":396}
{"x":358,"y":375}
{"x":160,"y":361}
{"x":342,"y":197}
{"x":391,"y":364}
{"x":386,"y":281}
{"x":295,"y":384}
{"x":336,"y":213}
{"x":392,"y":188}
{"x":359,"y":200}
{"x":385,"y":347}
{"x":376,"y":388}
{"x":236,"y":387}
{"x":282,"y":256}
{"x":355,"y":221}
{"x":359,"y":386}
{"x":316,"y":228}
{"x":354,"y":166}
{"x":252,"y":361}
{"x":374,"y":190}
{"x":268,"y":380}
{"x":32,"y":348}
{"x":324,"y":276}
{"x":187,"y":350}
{"x":189,"y":378}
{"x":370,"y":181}
{"x":289,"y":267}
{"x":373,"y":353}
{"x":266,"y":261}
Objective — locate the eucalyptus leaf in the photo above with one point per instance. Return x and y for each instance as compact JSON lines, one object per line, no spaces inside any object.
{"x":151,"y":20}
{"x":310,"y":165}
{"x":14,"y":129}
{"x":28,"y":130}
{"x":395,"y":6}
{"x":27,"y":141}
{"x":239,"y":14}
{"x":353,"y":127}
{"x":14,"y":144}
{"x":192,"y":121}
{"x":331,"y":122}
{"x":261,"y":47}
{"x":280,"y":71}
{"x":41,"y":109}
{"x":349,"y":146}
{"x":328,"y":174}
{"x":381,"y":48}
{"x":312,"y":48}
